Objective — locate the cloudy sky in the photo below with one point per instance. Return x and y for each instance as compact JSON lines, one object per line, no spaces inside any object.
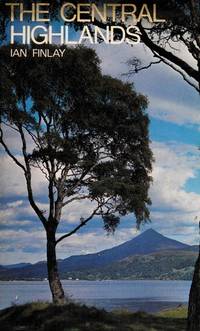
{"x":174,"y":110}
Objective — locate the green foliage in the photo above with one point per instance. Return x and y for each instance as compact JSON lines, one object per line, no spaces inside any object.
{"x":110,"y":222}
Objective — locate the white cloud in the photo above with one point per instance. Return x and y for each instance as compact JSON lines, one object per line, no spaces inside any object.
{"x":174,"y":210}
{"x":79,"y":243}
{"x":15,"y":204}
{"x":13,"y":141}
{"x":12,"y":181}
{"x":176,"y":108}
{"x":84,"y":243}
{"x":20,"y":234}
{"x":77,"y":209}
{"x":114,"y":58}
{"x":171,"y":171}
{"x":114,"y":62}
{"x":174,"y":111}
{"x":15,"y":222}
{"x":181,"y":51}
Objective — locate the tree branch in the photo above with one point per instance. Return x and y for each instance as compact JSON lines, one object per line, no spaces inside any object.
{"x":168,"y":55}
{"x":136,"y":64}
{"x":78,"y":226}
{"x":179,"y":71}
{"x":163,"y":53}
{"x":28,"y":179}
{"x":9,"y":152}
{"x":75,"y":199}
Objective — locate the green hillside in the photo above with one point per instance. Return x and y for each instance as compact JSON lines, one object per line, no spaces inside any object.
{"x":165,"y":265}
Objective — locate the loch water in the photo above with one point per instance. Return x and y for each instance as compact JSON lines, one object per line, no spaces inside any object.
{"x":143,"y":295}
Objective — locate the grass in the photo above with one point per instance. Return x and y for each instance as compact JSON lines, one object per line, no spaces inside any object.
{"x":41,"y":316}
{"x":179,"y":312}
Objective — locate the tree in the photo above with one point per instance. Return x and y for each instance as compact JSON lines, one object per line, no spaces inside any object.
{"x":193,"y":321}
{"x":89,"y":137}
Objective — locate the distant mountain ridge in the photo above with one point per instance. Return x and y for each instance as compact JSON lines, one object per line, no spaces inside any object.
{"x":148,"y":242}
{"x":17,"y":265}
{"x":145,"y":243}
{"x":164,"y":265}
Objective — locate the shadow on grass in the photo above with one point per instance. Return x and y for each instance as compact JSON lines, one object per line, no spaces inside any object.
{"x":73,"y":317}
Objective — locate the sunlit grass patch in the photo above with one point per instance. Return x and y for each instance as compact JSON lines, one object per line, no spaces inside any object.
{"x":179,"y":312}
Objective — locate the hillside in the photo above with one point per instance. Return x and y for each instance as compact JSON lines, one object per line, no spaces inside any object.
{"x":147,"y":242}
{"x":165,"y":265}
{"x":147,"y":256}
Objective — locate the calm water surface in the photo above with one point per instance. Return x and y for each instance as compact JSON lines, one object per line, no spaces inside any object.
{"x":150,"y":296}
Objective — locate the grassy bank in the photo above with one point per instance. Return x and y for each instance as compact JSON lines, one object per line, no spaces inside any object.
{"x":73,"y":317}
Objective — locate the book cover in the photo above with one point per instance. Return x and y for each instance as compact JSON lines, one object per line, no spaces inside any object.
{"x":99,"y":179}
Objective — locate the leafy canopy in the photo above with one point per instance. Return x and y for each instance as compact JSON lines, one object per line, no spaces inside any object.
{"x":89,"y":134}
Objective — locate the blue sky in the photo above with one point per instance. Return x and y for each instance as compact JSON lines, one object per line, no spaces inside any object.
{"x":174,"y":110}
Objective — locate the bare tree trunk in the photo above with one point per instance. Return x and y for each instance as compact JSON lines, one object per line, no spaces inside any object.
{"x":57,"y":291}
{"x":193,"y":322}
